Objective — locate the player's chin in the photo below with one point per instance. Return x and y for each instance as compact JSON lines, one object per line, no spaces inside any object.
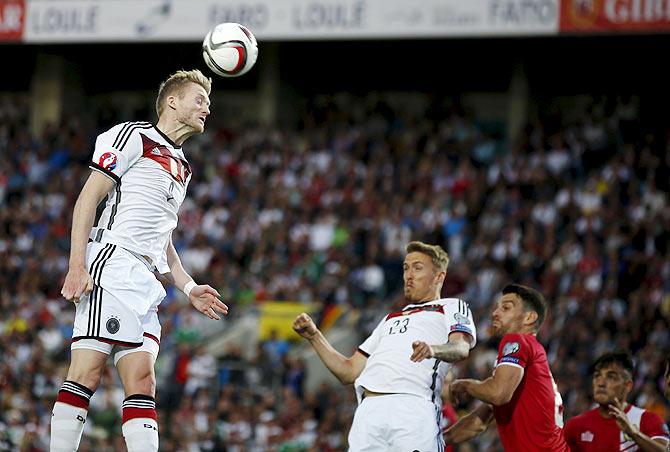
{"x":198,"y":126}
{"x":602,"y":399}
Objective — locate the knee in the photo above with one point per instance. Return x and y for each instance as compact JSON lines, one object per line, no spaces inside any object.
{"x":144,"y":384}
{"x":89,"y":377}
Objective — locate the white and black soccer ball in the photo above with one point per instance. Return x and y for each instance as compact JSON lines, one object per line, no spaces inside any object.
{"x":230,"y":49}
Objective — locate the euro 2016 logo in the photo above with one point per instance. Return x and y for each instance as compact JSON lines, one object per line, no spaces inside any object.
{"x":108,"y":161}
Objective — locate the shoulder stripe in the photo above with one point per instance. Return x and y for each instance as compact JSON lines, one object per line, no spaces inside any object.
{"x":121,"y":132}
{"x":130,"y":132}
{"x":126,"y":127}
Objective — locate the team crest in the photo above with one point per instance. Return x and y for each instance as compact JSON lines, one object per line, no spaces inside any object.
{"x":108,"y":161}
{"x":509,"y":348}
{"x":587,"y":437}
{"x":113,"y":325}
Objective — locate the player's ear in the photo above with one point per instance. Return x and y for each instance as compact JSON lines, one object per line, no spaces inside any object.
{"x":171,"y":102}
{"x":531,"y":317}
{"x":629,"y":385}
{"x":440,"y":277}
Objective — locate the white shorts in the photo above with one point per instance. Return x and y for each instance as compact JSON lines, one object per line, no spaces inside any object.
{"x":396,"y":422}
{"x":122,"y":308}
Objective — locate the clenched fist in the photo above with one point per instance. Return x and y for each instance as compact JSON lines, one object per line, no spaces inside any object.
{"x":421,"y":351}
{"x":304,"y":326}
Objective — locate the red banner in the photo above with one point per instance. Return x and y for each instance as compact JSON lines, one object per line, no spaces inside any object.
{"x":615,"y":15}
{"x":12,"y":18}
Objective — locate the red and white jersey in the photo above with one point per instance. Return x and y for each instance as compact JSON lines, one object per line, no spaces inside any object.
{"x":151,"y":175}
{"x":389,"y":347}
{"x":590,"y":432}
{"x":532,"y":421}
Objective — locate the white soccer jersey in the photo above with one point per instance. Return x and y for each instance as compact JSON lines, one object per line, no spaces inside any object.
{"x":389,"y":347}
{"x":151,"y":175}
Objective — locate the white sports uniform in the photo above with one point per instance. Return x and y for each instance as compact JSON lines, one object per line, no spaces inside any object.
{"x":130,"y":239}
{"x":408,"y":417}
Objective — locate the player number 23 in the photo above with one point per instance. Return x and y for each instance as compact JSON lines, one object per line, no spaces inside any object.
{"x":399,"y":326}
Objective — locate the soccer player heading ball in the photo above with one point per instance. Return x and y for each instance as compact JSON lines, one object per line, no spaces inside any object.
{"x":142,"y":169}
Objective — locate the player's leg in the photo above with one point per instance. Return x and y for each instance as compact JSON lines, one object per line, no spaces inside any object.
{"x":136,"y":369}
{"x":368,"y":428}
{"x":71,"y":407}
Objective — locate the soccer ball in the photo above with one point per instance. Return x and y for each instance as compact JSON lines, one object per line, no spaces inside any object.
{"x":230,"y":49}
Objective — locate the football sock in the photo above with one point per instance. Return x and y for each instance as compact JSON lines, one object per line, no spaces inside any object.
{"x":140,"y":428}
{"x":69,"y":416}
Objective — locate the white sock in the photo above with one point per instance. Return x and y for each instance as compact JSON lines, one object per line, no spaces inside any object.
{"x":67,"y":426}
{"x":69,"y":416}
{"x":141,"y":435}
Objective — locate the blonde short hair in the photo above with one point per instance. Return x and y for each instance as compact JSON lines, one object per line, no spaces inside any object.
{"x":438,"y":256}
{"x":176,"y":82}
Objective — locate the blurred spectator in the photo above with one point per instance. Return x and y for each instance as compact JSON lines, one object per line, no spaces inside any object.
{"x":321,"y":213}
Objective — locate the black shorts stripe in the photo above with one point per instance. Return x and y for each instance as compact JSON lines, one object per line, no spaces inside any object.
{"x":101,"y":291}
{"x":94,"y":312}
{"x":94,"y":264}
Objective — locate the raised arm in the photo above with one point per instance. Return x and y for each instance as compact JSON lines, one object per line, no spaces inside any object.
{"x":345,"y":369}
{"x":78,"y":282}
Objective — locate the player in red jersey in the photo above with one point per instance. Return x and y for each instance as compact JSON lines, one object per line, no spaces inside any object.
{"x":521,"y":395}
{"x":615,"y":425}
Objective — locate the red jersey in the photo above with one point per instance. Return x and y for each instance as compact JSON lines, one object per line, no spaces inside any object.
{"x":533,"y":420}
{"x":591,"y":432}
{"x":449,"y":418}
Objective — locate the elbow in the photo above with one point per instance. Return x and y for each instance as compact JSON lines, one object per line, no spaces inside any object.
{"x":346,"y":379}
{"x":347,"y":376}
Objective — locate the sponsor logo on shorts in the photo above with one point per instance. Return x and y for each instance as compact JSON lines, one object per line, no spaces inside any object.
{"x":113,"y":325}
{"x":510,"y":347}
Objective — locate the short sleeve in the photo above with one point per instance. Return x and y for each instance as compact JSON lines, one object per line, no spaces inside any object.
{"x":653,"y":426}
{"x":368,"y":347}
{"x":117,"y":149}
{"x":458,"y":317}
{"x":514,"y":350}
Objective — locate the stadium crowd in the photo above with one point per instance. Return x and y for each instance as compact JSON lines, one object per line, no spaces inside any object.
{"x":576,"y":206}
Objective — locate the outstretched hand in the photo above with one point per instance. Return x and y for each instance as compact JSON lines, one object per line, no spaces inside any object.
{"x":206,"y":300}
